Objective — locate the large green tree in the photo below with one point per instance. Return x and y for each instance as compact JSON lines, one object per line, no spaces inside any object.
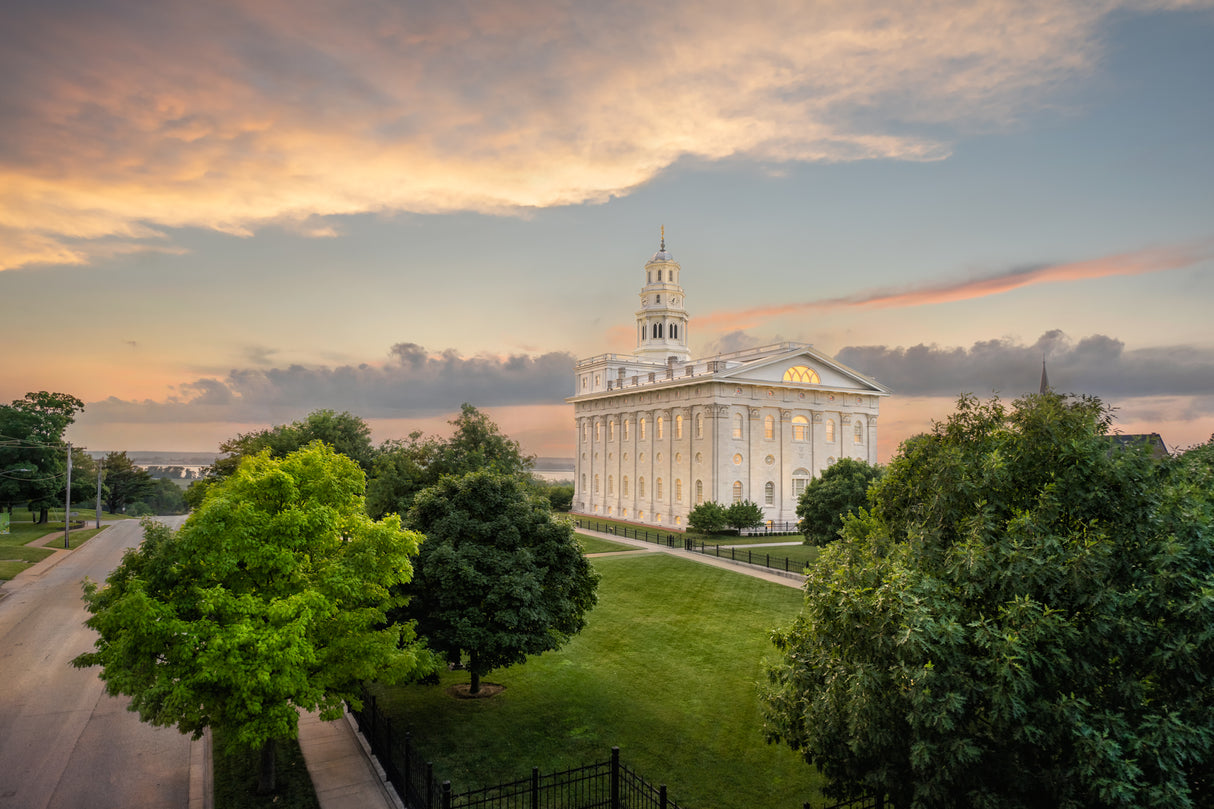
{"x":841,"y":489}
{"x":497,"y":579}
{"x":272,"y":597}
{"x":33,"y":454}
{"x":124,"y":482}
{"x":346,"y":433}
{"x":404,"y":468}
{"x":1024,"y":619}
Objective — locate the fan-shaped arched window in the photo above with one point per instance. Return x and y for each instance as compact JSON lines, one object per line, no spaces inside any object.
{"x":769,"y":427}
{"x":699,"y":492}
{"x":737,"y":425}
{"x":769,"y":493}
{"x":803,"y":374}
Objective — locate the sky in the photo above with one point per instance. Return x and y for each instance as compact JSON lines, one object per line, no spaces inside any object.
{"x":216,"y":217}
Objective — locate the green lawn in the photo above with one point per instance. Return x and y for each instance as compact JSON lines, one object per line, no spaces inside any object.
{"x":666,"y":669}
{"x":798,"y":555}
{"x":16,"y":555}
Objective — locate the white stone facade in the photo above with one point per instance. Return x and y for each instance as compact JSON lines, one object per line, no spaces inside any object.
{"x":658,"y":432}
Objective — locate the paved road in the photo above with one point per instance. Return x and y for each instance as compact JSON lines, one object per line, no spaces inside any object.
{"x":64,"y":743}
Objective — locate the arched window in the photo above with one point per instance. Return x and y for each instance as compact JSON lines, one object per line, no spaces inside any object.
{"x":641,"y":428}
{"x":737,"y":425}
{"x":674,"y":331}
{"x":583,"y":481}
{"x":830,"y":431}
{"x":699,"y":492}
{"x":598,"y":430}
{"x":859,"y":433}
{"x":658,"y":518}
{"x":625,"y":484}
{"x":769,"y":493}
{"x":769,"y":427}
{"x":626,"y":429}
{"x":800,"y":373}
{"x":800,"y":428}
{"x":596,"y":484}
{"x":658,"y":329}
{"x":678,"y":490}
{"x":657,"y":489}
{"x":585,"y":432}
{"x":699,"y":425}
{"x":641,"y":514}
{"x":609,"y":509}
{"x":611,"y":484}
{"x":658,"y":426}
{"x":611,"y":430}
{"x":659,"y":276}
{"x":800,"y":479}
{"x":642,"y":331}
{"x":678,"y":426}
{"x":737,"y":491}
{"x":640,"y":487}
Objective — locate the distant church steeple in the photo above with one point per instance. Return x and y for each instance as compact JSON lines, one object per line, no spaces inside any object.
{"x":1045,"y":380}
{"x":662,"y":320}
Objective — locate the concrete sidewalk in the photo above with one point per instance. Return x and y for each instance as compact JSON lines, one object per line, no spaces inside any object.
{"x":343,"y":772}
{"x":788,"y":579}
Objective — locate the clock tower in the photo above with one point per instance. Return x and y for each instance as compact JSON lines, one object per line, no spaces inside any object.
{"x":662,"y":320}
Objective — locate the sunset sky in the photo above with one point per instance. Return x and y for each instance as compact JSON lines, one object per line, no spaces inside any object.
{"x":218,"y":216}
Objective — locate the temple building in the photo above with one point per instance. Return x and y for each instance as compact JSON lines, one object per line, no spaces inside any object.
{"x":659,"y":432}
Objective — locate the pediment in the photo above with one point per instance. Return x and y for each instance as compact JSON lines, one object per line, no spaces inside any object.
{"x":831,"y":375}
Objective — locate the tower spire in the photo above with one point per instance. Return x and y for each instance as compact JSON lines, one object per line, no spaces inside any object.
{"x":1045,"y":380}
{"x":663,"y":247}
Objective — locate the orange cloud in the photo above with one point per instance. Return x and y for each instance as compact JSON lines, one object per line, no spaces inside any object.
{"x":1138,"y":262}
{"x":123,"y":122}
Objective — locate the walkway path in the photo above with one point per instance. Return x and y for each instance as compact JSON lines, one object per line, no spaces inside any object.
{"x":757,"y":571}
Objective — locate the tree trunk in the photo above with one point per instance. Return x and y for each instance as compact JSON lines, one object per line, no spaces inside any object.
{"x":44,"y":516}
{"x":475,"y":688}
{"x":267,"y":775}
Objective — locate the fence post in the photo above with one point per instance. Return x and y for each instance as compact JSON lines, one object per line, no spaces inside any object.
{"x":535,"y":788}
{"x":446,"y":795}
{"x":409,"y":765}
{"x":662,"y":796}
{"x":430,"y":784}
{"x":615,"y":778}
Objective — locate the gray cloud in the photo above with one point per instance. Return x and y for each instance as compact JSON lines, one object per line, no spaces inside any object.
{"x":1098,"y":364}
{"x":414,"y":383}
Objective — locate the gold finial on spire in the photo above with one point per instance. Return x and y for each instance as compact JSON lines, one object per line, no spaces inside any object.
{"x":663,"y":238}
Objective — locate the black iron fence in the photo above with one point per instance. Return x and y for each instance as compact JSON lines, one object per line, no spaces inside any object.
{"x":603,"y":785}
{"x":751,"y":556}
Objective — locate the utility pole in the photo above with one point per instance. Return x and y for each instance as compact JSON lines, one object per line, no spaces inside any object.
{"x":67,"y":501}
{"x":100,"y":467}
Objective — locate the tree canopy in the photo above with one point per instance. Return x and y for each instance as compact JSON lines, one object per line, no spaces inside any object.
{"x":841,"y":489}
{"x":1023,"y":619}
{"x":497,"y":578}
{"x":404,"y":468}
{"x":124,"y":482}
{"x":346,"y":433}
{"x":273,"y":596}
{"x":33,"y":455}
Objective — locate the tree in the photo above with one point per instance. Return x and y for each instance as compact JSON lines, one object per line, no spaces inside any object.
{"x":346,"y":433}
{"x":841,"y":489}
{"x":124,"y":482}
{"x":165,"y":497}
{"x":404,"y":468}
{"x":33,"y":455}
{"x":743,"y":514}
{"x":1023,"y":619}
{"x":708,"y":518}
{"x":497,"y":577}
{"x":272,"y":597}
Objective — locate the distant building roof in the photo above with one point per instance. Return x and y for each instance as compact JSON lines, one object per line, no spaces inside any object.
{"x":1153,"y":441}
